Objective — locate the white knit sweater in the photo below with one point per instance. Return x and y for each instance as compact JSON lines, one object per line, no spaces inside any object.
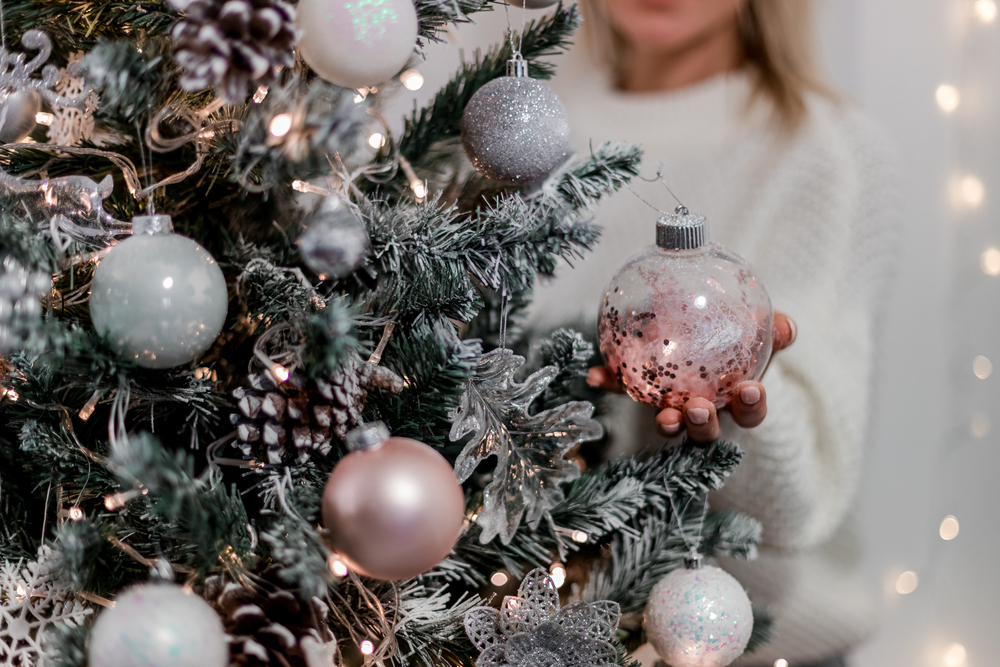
{"x":813,"y":214}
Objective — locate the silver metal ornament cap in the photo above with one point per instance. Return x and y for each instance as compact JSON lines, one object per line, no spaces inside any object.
{"x":681,"y":230}
{"x":152,"y":225}
{"x":367,"y":436}
{"x":517,"y":66}
{"x":693,"y":561}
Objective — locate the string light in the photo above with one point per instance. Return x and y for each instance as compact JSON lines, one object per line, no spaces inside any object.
{"x":362,"y":95}
{"x":337,"y":566}
{"x":11,"y":394}
{"x":947,"y":97}
{"x":907,"y":582}
{"x":367,"y":647}
{"x":376,"y":140}
{"x":986,"y":10}
{"x":580,"y":536}
{"x":990,"y":262}
{"x":949,"y":528}
{"x":260,"y":94}
{"x":419,"y":189}
{"x":44,"y":118}
{"x":280,"y":373}
{"x":967,"y":192}
{"x":558,"y":573}
{"x":780,"y":662}
{"x":412,"y":79}
{"x":979,"y":426}
{"x":75,"y":513}
{"x":498,"y":579}
{"x":954,"y":655}
{"x":982,"y":367}
{"x":280,"y":125}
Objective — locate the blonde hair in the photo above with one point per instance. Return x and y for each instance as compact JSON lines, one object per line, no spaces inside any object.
{"x":778,"y":46}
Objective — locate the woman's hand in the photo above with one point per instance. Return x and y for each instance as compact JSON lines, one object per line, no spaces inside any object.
{"x":749,"y":406}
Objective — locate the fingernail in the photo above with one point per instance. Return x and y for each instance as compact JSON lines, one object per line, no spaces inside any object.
{"x":670,"y":429}
{"x":592,"y":378}
{"x":750,"y":394}
{"x":698,"y":415}
{"x":794,"y":329}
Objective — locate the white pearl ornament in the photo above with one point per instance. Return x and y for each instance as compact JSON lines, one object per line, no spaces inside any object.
{"x":357,"y":43}
{"x":158,"y":625}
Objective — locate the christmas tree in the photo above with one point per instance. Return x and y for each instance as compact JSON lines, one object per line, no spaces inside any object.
{"x":212,"y":291}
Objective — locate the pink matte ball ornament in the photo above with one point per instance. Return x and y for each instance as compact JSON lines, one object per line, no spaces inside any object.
{"x":356,"y":43}
{"x":393,"y":506}
{"x":685,"y":318}
{"x":698,"y":618}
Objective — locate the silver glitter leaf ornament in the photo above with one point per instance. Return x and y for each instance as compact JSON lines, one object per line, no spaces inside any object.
{"x":515,"y":129}
{"x":21,"y":291}
{"x":531,"y":630}
{"x":529,"y":448}
{"x":335,"y":240}
{"x":17,"y":75}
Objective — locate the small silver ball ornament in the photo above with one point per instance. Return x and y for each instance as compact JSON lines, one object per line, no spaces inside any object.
{"x":158,"y":625}
{"x":159,"y":297}
{"x":515,"y":129}
{"x":17,"y":115}
{"x":335,"y":240}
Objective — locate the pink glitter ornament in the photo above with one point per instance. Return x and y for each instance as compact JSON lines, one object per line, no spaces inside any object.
{"x":685,"y":318}
{"x":698,"y":617}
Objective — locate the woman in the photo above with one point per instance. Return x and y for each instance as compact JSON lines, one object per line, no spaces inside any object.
{"x":724,"y":92}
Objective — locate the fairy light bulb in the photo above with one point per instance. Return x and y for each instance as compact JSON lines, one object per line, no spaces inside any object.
{"x":947,"y":97}
{"x":949,"y":528}
{"x":412,"y":79}
{"x":580,"y":536}
{"x":376,"y":140}
{"x":967,"y":192}
{"x":989,"y":262}
{"x":907,"y":582}
{"x":986,"y":10}
{"x":367,"y":647}
{"x":337,"y":566}
{"x":955,"y":655}
{"x":280,"y":125}
{"x":982,"y":367}
{"x":75,"y":513}
{"x":498,"y":579}
{"x":558,"y":574}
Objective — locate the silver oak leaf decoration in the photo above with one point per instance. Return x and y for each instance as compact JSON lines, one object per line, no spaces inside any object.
{"x":529,"y":448}
{"x":16,"y":74}
{"x":531,"y":630}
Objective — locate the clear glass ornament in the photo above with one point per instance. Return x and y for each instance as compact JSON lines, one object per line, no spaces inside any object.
{"x":685,"y":318}
{"x":159,"y":297}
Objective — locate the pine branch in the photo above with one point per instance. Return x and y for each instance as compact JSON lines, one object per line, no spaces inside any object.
{"x":434,"y":15}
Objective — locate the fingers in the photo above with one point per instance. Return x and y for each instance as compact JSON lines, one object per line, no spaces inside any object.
{"x":784,"y":331}
{"x":702,"y":420}
{"x":669,"y":422}
{"x":749,"y":406}
{"x":601,"y":378}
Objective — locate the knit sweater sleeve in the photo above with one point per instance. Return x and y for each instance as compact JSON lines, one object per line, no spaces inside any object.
{"x":828,"y":252}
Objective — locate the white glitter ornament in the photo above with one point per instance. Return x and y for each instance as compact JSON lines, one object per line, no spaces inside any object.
{"x":335,"y":240}
{"x":356,"y":43}
{"x":698,"y":617}
{"x":158,"y":625}
{"x":159,"y":297}
{"x":515,"y":129}
{"x":685,"y":318}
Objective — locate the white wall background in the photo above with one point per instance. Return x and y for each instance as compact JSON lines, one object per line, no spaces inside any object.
{"x":933,"y":451}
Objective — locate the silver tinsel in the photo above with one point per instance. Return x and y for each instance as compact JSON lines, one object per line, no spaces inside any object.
{"x":530,"y":448}
{"x":530,"y":630}
{"x":21,"y":291}
{"x":230,"y":44}
{"x":515,"y":130}
{"x":335,"y":240}
{"x":78,"y":199}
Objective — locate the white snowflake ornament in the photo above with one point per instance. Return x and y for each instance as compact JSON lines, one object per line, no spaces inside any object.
{"x":32,"y":600}
{"x":531,"y":630}
{"x":71,"y":125}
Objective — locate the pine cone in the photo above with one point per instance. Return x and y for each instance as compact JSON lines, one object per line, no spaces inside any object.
{"x":269,"y":625}
{"x":300,"y":415}
{"x":233,"y":43}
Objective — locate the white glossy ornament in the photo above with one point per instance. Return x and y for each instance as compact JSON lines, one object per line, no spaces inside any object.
{"x":159,"y":297}
{"x":698,"y":618}
{"x":356,"y":43}
{"x":158,"y":625}
{"x":17,"y":115}
{"x":685,"y":318}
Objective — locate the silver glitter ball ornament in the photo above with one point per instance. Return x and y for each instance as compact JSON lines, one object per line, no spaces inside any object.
{"x":515,"y":129}
{"x":17,"y":115}
{"x":335,"y":240}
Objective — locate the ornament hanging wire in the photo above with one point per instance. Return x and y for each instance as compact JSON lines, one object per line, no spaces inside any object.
{"x":694,"y":557}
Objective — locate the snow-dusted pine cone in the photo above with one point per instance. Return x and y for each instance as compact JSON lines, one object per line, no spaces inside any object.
{"x":230,"y":44}
{"x":268,"y":625}
{"x":287,"y":422}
